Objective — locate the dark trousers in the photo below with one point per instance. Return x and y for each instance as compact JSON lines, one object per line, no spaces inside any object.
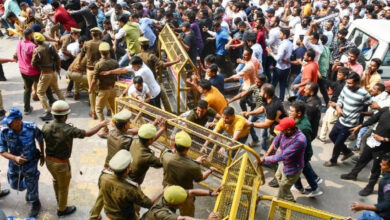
{"x":310,"y":176}
{"x":156,"y":101}
{"x":226,"y":68}
{"x":339,"y":135}
{"x":280,"y":76}
{"x":28,"y":83}
{"x":268,"y":61}
{"x":367,"y":155}
{"x":322,"y":84}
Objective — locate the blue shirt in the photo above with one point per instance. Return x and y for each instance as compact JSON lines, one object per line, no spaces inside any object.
{"x":100,"y":18}
{"x":23,"y":143}
{"x":145,"y":26}
{"x":218,"y":82}
{"x":222,"y":38}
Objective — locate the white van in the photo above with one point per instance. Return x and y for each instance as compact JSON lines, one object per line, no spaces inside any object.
{"x":372,"y":37}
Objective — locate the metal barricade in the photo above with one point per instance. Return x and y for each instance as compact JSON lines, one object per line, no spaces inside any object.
{"x":144,"y":113}
{"x":281,"y":209}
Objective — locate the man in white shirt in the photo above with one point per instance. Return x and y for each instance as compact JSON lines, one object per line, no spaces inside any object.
{"x":118,"y":11}
{"x":273,"y":42}
{"x":138,"y":90}
{"x":312,"y":41}
{"x":282,"y":68}
{"x":140,"y":69}
{"x":301,"y":29}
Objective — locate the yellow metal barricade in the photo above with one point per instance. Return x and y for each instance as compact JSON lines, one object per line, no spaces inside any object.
{"x":240,"y":183}
{"x":144,"y":113}
{"x":281,"y":209}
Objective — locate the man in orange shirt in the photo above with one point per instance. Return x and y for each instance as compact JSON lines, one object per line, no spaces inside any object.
{"x":310,"y":72}
{"x":212,"y":95}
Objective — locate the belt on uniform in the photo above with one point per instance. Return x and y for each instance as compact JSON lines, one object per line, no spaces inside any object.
{"x":47,"y":71}
{"x":57,"y":160}
{"x":105,"y":87}
{"x":90,"y":68}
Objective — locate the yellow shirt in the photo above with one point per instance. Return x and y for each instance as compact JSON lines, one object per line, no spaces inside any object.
{"x":215,"y":99}
{"x":307,"y":10}
{"x":237,"y":125}
{"x":368,"y":82}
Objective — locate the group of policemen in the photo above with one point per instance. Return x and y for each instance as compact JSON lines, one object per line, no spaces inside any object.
{"x":128,"y":159}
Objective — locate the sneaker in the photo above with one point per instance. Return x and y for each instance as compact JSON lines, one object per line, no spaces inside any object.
{"x":329,"y":164}
{"x":302,"y":191}
{"x":348,"y":176}
{"x":254,"y":144}
{"x":366,"y":191}
{"x":308,"y":188}
{"x":47,"y":116}
{"x":345,"y":157}
{"x":273,"y":183}
{"x":319,"y":180}
{"x":315,"y":193}
{"x":69,"y":210}
{"x":27,"y":112}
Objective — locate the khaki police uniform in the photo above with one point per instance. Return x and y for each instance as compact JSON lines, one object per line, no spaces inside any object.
{"x":45,"y":59}
{"x":106,"y":95}
{"x":90,"y":50}
{"x":161,"y":211}
{"x":116,"y":140}
{"x":77,"y":72}
{"x":59,"y":141}
{"x":28,"y":23}
{"x":120,"y":194}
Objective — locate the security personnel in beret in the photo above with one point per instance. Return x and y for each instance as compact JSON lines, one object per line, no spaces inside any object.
{"x":17,"y":144}
{"x":150,"y":58}
{"x":173,"y":198}
{"x":90,"y":50}
{"x":119,"y":138}
{"x":181,"y":170}
{"x":59,"y":142}
{"x":106,"y":95}
{"x":120,"y":194}
{"x":47,"y":61}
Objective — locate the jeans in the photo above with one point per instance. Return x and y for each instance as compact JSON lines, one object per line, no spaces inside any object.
{"x":322,"y":84}
{"x":297,"y":80}
{"x":339,"y":135}
{"x":310,"y":176}
{"x":268,"y":61}
{"x":156,"y":101}
{"x":280,"y":76}
{"x":360,"y":135}
{"x":124,"y":61}
{"x":370,"y":215}
{"x":254,"y":118}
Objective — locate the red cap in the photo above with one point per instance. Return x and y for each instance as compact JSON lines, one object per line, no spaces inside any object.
{"x":285,"y":123}
{"x":387,"y":83}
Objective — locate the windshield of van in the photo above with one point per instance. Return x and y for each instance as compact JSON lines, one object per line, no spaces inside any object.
{"x":386,"y":59}
{"x":364,"y":43}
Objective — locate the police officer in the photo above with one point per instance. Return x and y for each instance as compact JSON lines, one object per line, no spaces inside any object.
{"x":120,"y":194}
{"x":47,"y":61}
{"x":181,"y":170}
{"x":173,"y":198}
{"x":17,"y":144}
{"x":106,"y":95}
{"x":150,"y":58}
{"x":59,"y":140}
{"x":91,"y":51}
{"x":119,"y":138}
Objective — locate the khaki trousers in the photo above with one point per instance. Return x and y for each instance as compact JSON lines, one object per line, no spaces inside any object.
{"x":61,"y":178}
{"x":285,"y":183}
{"x":104,"y":98}
{"x":78,"y":79}
{"x":188,"y":208}
{"x":92,"y":95}
{"x":330,"y":118}
{"x":46,"y":80}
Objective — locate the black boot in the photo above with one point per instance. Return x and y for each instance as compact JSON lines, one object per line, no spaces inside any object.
{"x":69,"y":210}
{"x":47,"y":116}
{"x":366,"y":191}
{"x":4,"y":192}
{"x":2,"y":77}
{"x":36,"y":206}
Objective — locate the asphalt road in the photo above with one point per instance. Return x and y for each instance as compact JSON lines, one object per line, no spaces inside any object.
{"x":88,"y":158}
